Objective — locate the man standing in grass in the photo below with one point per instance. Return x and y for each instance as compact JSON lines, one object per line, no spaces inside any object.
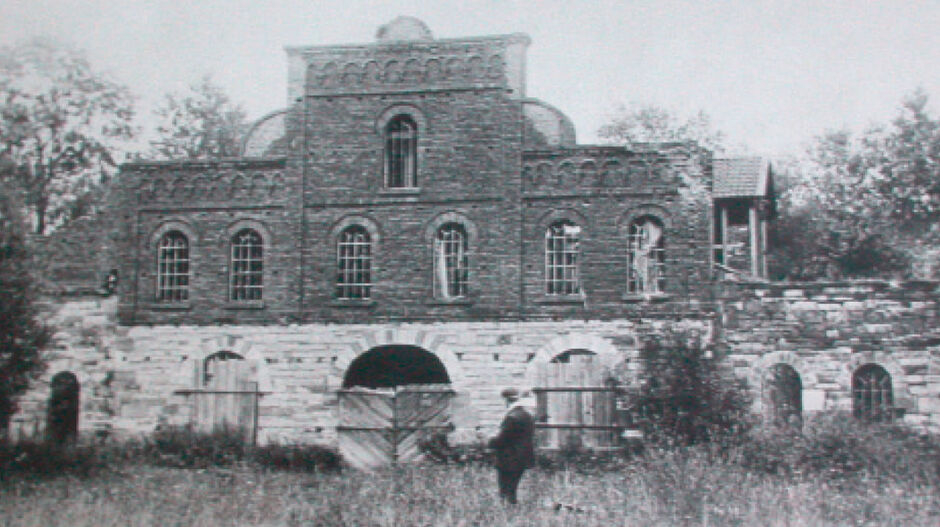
{"x":514,"y":446}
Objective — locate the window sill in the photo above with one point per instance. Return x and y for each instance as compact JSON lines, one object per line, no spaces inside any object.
{"x":170,"y":306}
{"x":561,"y":299}
{"x":400,"y":191}
{"x":449,"y":302}
{"x":245,"y":304}
{"x":352,"y":302}
{"x":648,"y":297}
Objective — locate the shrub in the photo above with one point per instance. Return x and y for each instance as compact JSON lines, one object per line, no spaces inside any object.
{"x":436,"y":448}
{"x":182,"y":447}
{"x":297,"y":458}
{"x":686,"y":398}
{"x":837,"y":446}
{"x":44,"y":459}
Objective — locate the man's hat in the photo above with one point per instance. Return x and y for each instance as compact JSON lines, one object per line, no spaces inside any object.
{"x":510,"y":393}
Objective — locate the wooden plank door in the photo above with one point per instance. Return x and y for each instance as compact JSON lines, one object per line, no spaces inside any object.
{"x":228,"y":400}
{"x":574,"y":406}
{"x":366,"y":436}
{"x":420,"y":412}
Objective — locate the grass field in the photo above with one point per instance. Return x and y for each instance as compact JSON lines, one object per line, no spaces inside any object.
{"x":667,"y":489}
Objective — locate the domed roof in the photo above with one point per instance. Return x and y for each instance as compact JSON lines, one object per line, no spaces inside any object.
{"x":404,"y":28}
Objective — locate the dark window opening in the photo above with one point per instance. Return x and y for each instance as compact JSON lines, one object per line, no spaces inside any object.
{"x":62,"y":410}
{"x":390,"y":366}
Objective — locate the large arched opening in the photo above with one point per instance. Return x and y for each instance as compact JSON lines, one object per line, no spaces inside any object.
{"x":393,"y":366}
{"x":394,"y":399}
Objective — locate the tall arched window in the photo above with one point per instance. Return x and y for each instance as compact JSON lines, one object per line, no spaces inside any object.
{"x":172,"y":267}
{"x":562,"y":248}
{"x":873,"y":399}
{"x":783,"y":396}
{"x":354,"y":264}
{"x":647,"y":256}
{"x":401,"y":153}
{"x":451,"y":268}
{"x":246,"y":269}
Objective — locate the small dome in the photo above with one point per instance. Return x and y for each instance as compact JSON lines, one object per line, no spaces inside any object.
{"x":404,"y":28}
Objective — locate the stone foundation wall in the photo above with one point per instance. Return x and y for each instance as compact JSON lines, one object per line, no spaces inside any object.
{"x":826,"y":331}
{"x":129,"y":375}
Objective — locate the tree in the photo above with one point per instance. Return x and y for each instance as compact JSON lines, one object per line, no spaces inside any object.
{"x":22,"y":334}
{"x":864,"y":205}
{"x":61,"y":124}
{"x":200,"y":124}
{"x":642,"y":123}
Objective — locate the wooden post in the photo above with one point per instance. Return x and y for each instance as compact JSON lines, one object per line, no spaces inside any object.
{"x":754,"y":239}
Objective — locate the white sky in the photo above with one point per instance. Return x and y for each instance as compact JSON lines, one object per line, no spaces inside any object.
{"x":771,"y":74}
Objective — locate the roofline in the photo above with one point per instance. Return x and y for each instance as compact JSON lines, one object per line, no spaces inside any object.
{"x":510,"y":37}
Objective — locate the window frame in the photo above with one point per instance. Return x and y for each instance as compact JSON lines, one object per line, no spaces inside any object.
{"x":400,"y":152}
{"x":560,"y":258}
{"x":253,"y":292}
{"x":865,"y":407}
{"x":656,"y":259}
{"x":171,"y":287}
{"x":456,"y":270}
{"x":359,"y":289}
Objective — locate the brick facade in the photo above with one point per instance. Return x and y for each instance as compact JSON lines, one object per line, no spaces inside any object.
{"x":505,"y":168}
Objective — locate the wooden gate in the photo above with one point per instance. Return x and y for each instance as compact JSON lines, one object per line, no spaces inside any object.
{"x":382,"y":426}
{"x":575,"y":408}
{"x":227,"y":398}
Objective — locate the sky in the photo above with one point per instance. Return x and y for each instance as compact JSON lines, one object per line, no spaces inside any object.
{"x":771,"y":74}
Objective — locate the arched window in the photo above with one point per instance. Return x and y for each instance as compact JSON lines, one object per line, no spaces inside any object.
{"x":401,"y":153}
{"x":783,"y":396}
{"x":354,"y":264}
{"x":246,"y":269}
{"x":451,"y":269}
{"x":172,"y":267}
{"x":646,"y":256}
{"x":562,"y":246}
{"x":873,"y":399}
{"x":62,"y":410}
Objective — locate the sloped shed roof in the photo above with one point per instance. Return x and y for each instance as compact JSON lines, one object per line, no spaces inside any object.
{"x":743,"y":177}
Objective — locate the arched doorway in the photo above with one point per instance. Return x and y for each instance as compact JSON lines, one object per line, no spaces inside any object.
{"x":62,"y":409}
{"x":576,"y":401}
{"x":393,"y":398}
{"x":783,"y":396}
{"x":391,"y":366}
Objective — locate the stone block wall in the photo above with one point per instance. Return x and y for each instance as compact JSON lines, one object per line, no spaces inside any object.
{"x":826,"y":331}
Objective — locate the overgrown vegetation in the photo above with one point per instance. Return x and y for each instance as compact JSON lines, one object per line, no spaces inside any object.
{"x":171,"y":447}
{"x":686,"y":397}
{"x":22,"y":333}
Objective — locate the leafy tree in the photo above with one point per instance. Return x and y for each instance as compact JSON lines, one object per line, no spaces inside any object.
{"x":865,"y":205}
{"x":61,"y":124}
{"x":686,"y":397}
{"x":202,"y":123}
{"x":642,"y":123}
{"x":22,"y":334}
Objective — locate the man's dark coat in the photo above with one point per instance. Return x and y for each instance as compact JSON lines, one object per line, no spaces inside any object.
{"x":515,"y":444}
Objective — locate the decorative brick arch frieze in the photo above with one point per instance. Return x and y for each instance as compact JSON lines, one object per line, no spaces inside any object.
{"x":423,"y":339}
{"x":609,"y":354}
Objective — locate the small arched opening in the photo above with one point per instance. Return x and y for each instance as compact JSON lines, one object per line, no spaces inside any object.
{"x":392,"y":366}
{"x":783,"y":396}
{"x":62,"y":409}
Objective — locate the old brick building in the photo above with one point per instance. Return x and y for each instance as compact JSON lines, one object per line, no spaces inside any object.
{"x":414,"y":217}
